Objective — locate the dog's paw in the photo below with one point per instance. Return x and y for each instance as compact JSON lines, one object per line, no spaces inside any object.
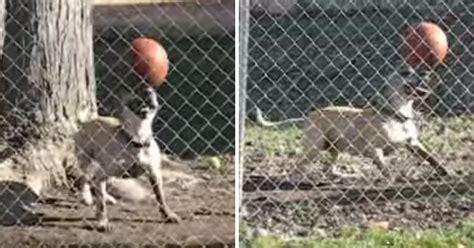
{"x":387,"y":176}
{"x":110,"y":199}
{"x":442,"y":171}
{"x":104,"y":227}
{"x":87,"y":201}
{"x":172,"y":217}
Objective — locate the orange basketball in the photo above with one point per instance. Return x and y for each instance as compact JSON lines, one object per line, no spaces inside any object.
{"x":426,"y":45}
{"x":150,"y":60}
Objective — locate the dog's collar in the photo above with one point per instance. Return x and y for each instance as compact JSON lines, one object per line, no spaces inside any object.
{"x":396,"y":115}
{"x":131,"y":141}
{"x":401,"y":117}
{"x":137,"y":144}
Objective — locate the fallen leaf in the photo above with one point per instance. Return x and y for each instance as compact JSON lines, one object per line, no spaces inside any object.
{"x":381,"y":225}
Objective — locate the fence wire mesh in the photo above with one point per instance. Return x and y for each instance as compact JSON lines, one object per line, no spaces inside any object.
{"x":331,"y":138}
{"x":193,"y":128}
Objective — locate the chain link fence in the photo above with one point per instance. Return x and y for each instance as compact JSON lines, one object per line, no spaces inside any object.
{"x":327,"y":142}
{"x":194,"y":129}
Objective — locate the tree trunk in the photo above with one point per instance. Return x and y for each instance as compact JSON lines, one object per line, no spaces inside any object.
{"x":48,"y":83}
{"x":2,"y":25}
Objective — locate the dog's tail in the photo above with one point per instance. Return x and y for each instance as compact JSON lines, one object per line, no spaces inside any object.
{"x":261,"y":121}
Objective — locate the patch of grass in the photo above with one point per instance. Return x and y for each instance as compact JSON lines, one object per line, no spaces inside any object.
{"x":273,"y":142}
{"x":217,"y":164}
{"x":461,"y":236}
{"x":458,"y":140}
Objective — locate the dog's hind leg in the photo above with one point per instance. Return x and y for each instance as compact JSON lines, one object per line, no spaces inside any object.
{"x":314,"y":141}
{"x":100,"y":185}
{"x":156,"y":182}
{"x":86,"y":193}
{"x":381,"y":163}
{"x":82,"y":177}
{"x":310,"y":153}
{"x":110,"y":199}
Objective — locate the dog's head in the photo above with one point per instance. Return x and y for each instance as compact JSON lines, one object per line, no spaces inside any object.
{"x":142,"y":104}
{"x":138,"y":111}
{"x":395,"y":97}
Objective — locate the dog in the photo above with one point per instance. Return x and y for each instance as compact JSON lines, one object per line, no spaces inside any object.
{"x":108,"y":147}
{"x":375,"y":131}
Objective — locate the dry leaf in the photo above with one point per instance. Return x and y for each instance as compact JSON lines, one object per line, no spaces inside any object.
{"x":460,"y":245}
{"x":381,"y":225}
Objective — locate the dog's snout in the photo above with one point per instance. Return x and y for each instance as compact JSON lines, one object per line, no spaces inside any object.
{"x":143,"y":112}
{"x":143,"y":103}
{"x":151,"y":100}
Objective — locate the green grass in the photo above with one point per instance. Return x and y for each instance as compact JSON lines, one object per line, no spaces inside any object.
{"x":273,"y":142}
{"x":458,"y":143}
{"x":461,"y":236}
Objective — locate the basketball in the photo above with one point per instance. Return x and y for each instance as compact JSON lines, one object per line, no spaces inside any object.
{"x":150,"y":60}
{"x":426,"y":45}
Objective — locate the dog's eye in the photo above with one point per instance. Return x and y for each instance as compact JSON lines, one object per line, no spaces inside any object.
{"x":135,"y":104}
{"x":151,"y":101}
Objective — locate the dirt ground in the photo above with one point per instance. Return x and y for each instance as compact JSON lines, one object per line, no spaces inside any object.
{"x":206,"y":207}
{"x":291,"y":200}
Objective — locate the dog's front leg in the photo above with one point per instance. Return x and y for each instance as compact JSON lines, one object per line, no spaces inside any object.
{"x":156,"y":182}
{"x":381,"y":163}
{"x":101,"y":209}
{"x":418,"y":148}
{"x":86,"y":193}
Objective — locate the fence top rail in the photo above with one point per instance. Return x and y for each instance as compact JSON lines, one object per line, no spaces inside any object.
{"x":136,"y":2}
{"x":283,"y":6}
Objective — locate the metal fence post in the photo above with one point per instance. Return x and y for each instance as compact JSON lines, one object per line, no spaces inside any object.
{"x":244,"y":12}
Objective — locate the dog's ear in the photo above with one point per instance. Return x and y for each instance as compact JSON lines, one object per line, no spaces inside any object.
{"x":417,"y":92}
{"x":124,"y":97}
{"x":422,"y":92}
{"x":153,"y":97}
{"x":407,"y":109}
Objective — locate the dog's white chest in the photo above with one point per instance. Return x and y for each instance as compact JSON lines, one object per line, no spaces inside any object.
{"x":143,"y":156}
{"x":399,"y":132}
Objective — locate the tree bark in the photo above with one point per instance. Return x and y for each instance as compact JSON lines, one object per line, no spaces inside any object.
{"x":2,"y":25}
{"x":48,"y":83}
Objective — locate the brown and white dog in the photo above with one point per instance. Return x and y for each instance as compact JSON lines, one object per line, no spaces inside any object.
{"x":107,"y":148}
{"x":371,"y":132}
